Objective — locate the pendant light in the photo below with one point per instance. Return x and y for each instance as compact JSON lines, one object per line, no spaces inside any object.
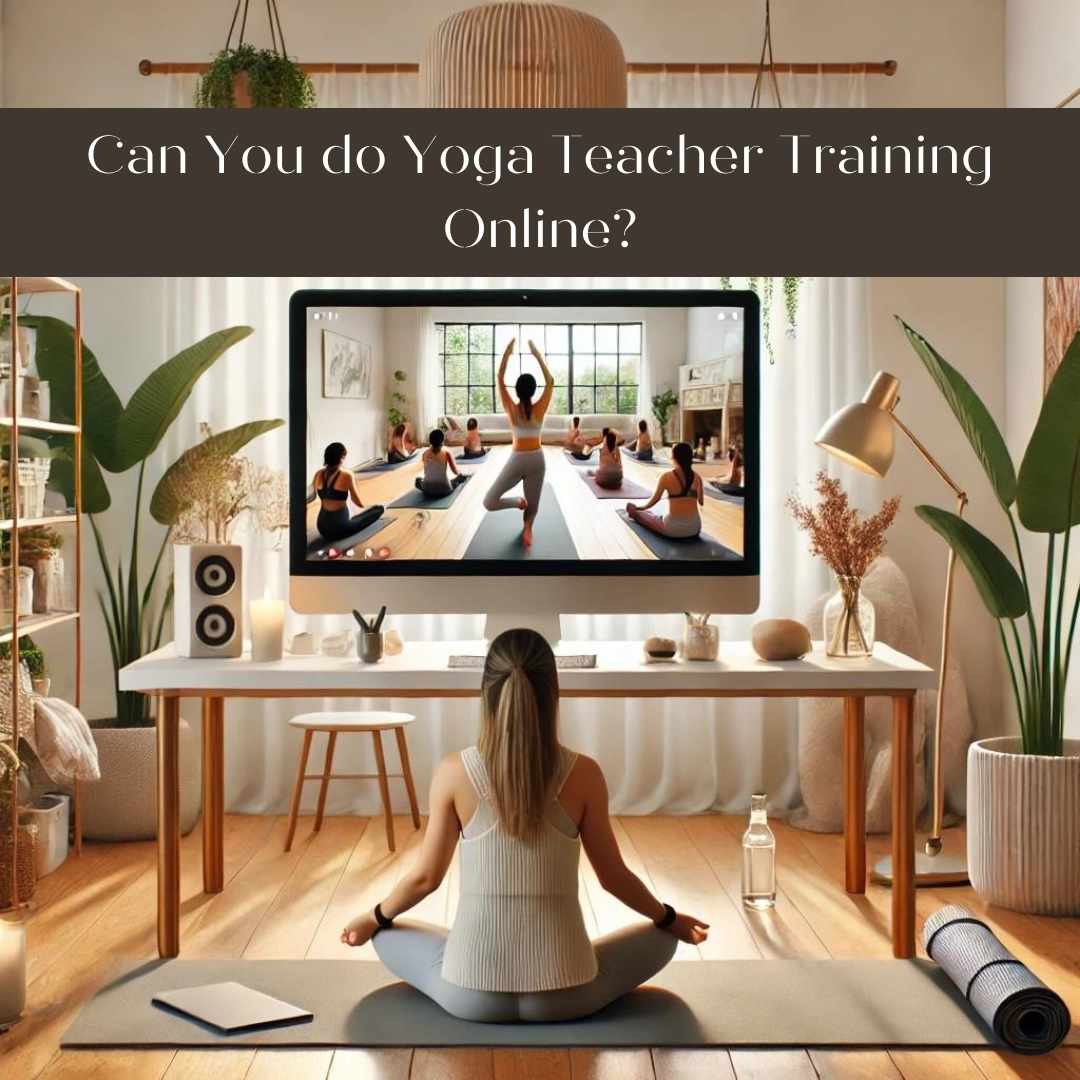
{"x":523,"y":55}
{"x":763,"y":65}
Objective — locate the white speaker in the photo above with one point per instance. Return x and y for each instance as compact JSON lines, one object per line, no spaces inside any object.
{"x":208,"y":601}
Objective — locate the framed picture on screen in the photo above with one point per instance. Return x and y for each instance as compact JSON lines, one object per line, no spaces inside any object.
{"x":346,"y":366}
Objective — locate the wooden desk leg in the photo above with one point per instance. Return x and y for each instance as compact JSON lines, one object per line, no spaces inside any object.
{"x":854,"y":796}
{"x":384,"y":787}
{"x":406,"y":772}
{"x":903,"y":828}
{"x":213,"y":789}
{"x":168,"y":826}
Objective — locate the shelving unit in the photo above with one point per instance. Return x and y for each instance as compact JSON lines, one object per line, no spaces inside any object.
{"x":22,"y":625}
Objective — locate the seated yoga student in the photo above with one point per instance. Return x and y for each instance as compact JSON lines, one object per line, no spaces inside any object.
{"x":526,"y":462}
{"x":592,"y":444}
{"x":733,"y":483}
{"x":642,"y":447}
{"x":684,"y":492}
{"x":574,"y":442}
{"x":609,"y":474}
{"x":473,"y":447}
{"x":521,"y":806}
{"x":402,"y":446}
{"x":335,"y":486}
{"x":437,"y":460}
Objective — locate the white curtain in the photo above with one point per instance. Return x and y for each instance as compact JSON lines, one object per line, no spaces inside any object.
{"x":658,"y":755}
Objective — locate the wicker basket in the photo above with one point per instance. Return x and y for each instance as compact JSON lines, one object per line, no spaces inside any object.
{"x":26,"y":863}
{"x":26,"y":701}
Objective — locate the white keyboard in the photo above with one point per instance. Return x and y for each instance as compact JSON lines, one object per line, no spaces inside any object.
{"x":577,"y":662}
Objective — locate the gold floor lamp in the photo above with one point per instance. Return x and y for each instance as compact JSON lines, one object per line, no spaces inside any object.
{"x":863,"y":435}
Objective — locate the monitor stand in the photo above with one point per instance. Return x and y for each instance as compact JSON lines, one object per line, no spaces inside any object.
{"x":545,"y":623}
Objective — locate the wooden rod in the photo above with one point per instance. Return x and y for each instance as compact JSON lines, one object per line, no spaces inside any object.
{"x":641,"y":67}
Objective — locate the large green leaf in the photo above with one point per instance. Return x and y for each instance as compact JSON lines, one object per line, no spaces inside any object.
{"x":166,"y":505}
{"x":95,"y":494}
{"x":1049,"y":493}
{"x":55,"y":354}
{"x":973,"y":416}
{"x":996,"y":579}
{"x":158,"y":400}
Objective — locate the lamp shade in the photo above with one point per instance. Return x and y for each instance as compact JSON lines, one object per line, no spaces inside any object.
{"x":862,"y":434}
{"x":520,"y":55}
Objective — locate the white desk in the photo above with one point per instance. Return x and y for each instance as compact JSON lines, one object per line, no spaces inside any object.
{"x":421,"y":671}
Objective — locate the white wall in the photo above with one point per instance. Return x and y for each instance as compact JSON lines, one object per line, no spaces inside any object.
{"x":69,"y":52}
{"x":64,"y":53}
{"x":1042,"y":67}
{"x":359,"y":424}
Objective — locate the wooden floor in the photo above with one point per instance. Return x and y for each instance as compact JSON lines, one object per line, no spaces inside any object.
{"x":98,"y":911}
{"x":598,"y":533}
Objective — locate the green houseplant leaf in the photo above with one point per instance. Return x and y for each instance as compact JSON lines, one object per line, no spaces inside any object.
{"x":998,"y":583}
{"x":158,"y":400}
{"x":973,"y":416}
{"x":95,"y":495}
{"x":1048,"y":496}
{"x":165,"y":504}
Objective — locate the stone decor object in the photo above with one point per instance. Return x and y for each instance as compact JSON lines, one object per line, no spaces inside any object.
{"x":780,"y":639}
{"x":1023,"y":832}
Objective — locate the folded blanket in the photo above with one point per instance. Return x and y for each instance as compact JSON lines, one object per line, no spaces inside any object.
{"x":63,"y":742}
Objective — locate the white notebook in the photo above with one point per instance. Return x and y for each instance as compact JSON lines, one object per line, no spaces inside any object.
{"x":231,"y":1006}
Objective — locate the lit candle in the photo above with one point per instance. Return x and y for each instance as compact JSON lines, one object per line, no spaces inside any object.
{"x":12,"y":972}
{"x":267,"y":618}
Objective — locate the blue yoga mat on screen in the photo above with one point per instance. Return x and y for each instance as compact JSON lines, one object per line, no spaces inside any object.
{"x":703,"y":548}
{"x":499,"y":533}
{"x":386,"y":466}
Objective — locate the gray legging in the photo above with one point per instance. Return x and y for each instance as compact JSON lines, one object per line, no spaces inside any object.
{"x":413,"y":951}
{"x":525,"y":466}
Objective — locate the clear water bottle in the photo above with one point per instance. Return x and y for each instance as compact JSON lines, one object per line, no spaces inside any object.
{"x":758,"y":858}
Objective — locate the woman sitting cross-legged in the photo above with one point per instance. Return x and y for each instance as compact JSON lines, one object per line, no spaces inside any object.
{"x":335,"y":486}
{"x":521,"y":806}
{"x":642,"y":447}
{"x":401,"y":446}
{"x":473,"y":446}
{"x":609,"y":474}
{"x":685,"y":496}
{"x":437,"y":460}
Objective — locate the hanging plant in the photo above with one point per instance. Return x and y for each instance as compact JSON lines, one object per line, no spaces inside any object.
{"x":247,"y":77}
{"x":765,"y":288}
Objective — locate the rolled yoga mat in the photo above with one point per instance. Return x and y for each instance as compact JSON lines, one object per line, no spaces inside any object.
{"x":1024,"y":1013}
{"x":416,"y":498}
{"x":499,"y":533}
{"x":626,"y":490}
{"x":702,"y":548}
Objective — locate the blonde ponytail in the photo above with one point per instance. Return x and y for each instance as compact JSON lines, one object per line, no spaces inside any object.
{"x":518,"y":737}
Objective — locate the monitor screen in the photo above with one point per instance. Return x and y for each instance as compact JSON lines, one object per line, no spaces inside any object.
{"x":538,"y":433}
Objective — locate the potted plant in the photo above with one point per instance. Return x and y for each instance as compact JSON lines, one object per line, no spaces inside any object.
{"x":1023,"y":810}
{"x":122,"y":439}
{"x":662,"y":405}
{"x":245,"y":77}
{"x":396,"y":410}
{"x":31,"y":655}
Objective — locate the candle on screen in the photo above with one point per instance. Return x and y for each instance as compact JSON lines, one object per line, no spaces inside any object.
{"x":267,"y":617}
{"x":12,"y":972}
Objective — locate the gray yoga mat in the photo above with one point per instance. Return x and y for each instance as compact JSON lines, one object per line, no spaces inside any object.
{"x":633,"y":457}
{"x":499,"y":533}
{"x":589,"y":462}
{"x":419,"y":500}
{"x":690,"y":1003}
{"x":703,"y":548}
{"x":386,"y":466}
{"x":318,"y":543}
{"x":626,"y":490}
{"x":1024,"y":1013}
{"x":479,"y":459}
{"x":723,"y":496}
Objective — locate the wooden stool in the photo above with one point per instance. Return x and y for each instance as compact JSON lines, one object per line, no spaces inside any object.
{"x":334,"y":723}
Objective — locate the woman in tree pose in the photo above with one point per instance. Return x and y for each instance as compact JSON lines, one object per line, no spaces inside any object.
{"x":522,"y":806}
{"x":526,"y":462}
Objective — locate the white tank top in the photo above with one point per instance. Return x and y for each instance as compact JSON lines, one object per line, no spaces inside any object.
{"x":519,"y":926}
{"x":526,"y":427}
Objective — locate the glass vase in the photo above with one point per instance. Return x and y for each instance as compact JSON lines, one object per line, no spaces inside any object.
{"x":849,"y":620}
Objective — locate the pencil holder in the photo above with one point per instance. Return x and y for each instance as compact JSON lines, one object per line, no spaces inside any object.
{"x":369,"y":646}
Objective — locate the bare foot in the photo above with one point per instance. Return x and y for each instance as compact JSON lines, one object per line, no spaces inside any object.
{"x":526,"y":534}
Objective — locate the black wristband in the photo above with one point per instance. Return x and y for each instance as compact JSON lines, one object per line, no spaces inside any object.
{"x":668,"y":919}
{"x":381,"y":919}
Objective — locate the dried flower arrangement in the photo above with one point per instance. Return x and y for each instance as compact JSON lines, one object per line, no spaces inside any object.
{"x":846,"y":542}
{"x":217,"y":490}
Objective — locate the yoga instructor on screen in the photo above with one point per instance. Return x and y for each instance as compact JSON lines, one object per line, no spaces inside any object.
{"x":521,"y":805}
{"x":526,"y":461}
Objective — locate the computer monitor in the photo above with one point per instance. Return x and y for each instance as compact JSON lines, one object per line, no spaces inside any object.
{"x":546,"y":404}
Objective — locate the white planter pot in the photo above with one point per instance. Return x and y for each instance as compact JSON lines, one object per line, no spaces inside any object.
{"x":122,"y":805}
{"x":1023,"y":826}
